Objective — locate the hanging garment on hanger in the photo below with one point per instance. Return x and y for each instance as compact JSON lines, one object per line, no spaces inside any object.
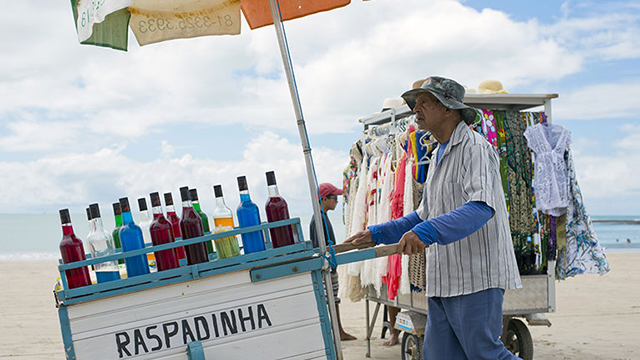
{"x":349,"y":173}
{"x":519,"y":176}
{"x":405,"y":281}
{"x":392,"y":278}
{"x":392,"y":184}
{"x":398,"y":195}
{"x":489,"y":128}
{"x":354,"y":289}
{"x":583,"y":254}
{"x":549,"y":143}
{"x":502,"y":152}
{"x":387,"y":183}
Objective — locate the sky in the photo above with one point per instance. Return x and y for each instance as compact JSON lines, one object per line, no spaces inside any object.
{"x":82,"y":124}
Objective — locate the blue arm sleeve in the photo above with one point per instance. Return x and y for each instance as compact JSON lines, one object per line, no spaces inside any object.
{"x":391,"y":231}
{"x":454,"y":225}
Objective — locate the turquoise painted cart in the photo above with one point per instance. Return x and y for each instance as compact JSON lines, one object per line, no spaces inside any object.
{"x":266,"y":305}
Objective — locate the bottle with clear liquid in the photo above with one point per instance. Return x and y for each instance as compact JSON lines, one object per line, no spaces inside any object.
{"x":101,"y":243}
{"x":92,"y":229}
{"x":162,"y":233}
{"x":145,"y":220}
{"x":72,"y":250}
{"x":193,"y":193}
{"x":191,"y":227}
{"x":132,"y":239}
{"x":174,"y":219}
{"x":223,"y":221}
{"x":116,"y":232}
{"x":90,"y":223}
{"x":277,"y":209}
{"x":249,"y":215}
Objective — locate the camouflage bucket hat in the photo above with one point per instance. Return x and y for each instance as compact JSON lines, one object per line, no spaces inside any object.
{"x":447,"y":91}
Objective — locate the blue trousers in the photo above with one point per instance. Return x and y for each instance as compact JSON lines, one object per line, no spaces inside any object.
{"x":465,"y":327}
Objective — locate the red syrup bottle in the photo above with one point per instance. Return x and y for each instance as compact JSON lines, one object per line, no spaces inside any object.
{"x":191,"y":227}
{"x":72,"y":250}
{"x":277,"y":209}
{"x":162,"y":233}
{"x":174,"y":219}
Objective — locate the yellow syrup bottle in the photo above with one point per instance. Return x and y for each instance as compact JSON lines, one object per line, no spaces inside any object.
{"x":226,"y":247}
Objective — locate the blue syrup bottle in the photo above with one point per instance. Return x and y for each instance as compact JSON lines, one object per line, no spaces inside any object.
{"x":249,"y":215}
{"x":131,"y":239}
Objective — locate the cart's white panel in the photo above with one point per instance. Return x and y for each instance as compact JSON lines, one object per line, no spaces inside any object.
{"x":284,"y":320}
{"x":532,"y":297}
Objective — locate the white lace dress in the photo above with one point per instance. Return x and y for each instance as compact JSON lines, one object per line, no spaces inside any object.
{"x":550,"y":183}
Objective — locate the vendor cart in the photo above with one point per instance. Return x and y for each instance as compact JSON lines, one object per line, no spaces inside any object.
{"x":537,"y":295}
{"x":264,"y":305}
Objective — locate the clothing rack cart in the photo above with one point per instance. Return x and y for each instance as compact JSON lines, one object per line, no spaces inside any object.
{"x":265,"y":305}
{"x":538,"y":293}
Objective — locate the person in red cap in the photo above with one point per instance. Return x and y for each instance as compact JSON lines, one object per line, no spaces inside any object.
{"x":329,"y":200}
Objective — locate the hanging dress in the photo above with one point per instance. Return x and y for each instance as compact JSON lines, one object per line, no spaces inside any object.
{"x":550,"y":182}
{"x":582,"y":254}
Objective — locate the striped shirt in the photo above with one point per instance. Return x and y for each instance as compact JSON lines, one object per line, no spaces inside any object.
{"x":468,"y":171}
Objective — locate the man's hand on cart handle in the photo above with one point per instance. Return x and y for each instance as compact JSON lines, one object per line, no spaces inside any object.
{"x":409,"y":244}
{"x":361,"y":237}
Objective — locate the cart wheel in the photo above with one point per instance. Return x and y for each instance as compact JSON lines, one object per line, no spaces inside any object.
{"x":518,"y":340}
{"x":411,"y":347}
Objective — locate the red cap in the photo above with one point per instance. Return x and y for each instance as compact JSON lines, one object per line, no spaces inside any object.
{"x":327,"y":189}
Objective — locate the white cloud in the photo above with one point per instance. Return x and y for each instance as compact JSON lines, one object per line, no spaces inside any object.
{"x":66,"y":104}
{"x":606,"y":31}
{"x":76,"y":179}
{"x":212,"y":80}
{"x":600,"y":101}
{"x":612,"y":177}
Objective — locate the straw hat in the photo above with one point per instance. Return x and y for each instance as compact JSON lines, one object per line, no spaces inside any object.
{"x":491,"y":87}
{"x":418,"y":83}
{"x":391,"y":103}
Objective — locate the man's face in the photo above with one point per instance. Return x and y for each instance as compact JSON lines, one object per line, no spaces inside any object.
{"x":429,"y":111}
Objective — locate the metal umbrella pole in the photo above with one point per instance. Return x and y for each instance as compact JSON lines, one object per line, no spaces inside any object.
{"x":313,"y":187}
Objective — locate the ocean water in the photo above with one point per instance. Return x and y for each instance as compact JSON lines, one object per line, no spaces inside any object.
{"x":37,"y":236}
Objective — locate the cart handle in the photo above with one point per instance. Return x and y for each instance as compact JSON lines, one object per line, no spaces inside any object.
{"x":384,"y":250}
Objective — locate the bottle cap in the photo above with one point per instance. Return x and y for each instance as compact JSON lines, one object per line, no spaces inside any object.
{"x":142,"y":204}
{"x":124,"y":205}
{"x":217,"y":190}
{"x":193,"y":194}
{"x":271,"y":178}
{"x":242,"y":183}
{"x":64,"y":216}
{"x":184,"y":193}
{"x":88,"y":214}
{"x":95,"y":210}
{"x":116,"y":209}
{"x":168,"y":199}
{"x":155,"y":199}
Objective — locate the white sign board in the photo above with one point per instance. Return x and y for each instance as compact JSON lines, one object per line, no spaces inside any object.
{"x":231,"y":316}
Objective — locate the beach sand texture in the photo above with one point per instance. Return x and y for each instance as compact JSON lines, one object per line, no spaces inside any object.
{"x":597,"y":317}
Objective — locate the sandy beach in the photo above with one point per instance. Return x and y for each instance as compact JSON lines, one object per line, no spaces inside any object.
{"x":597,"y":317}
